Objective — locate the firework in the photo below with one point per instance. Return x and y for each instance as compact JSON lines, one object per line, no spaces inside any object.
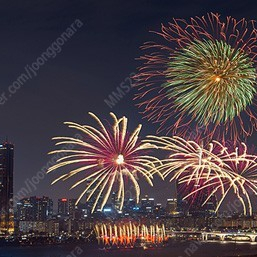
{"x":105,"y":159}
{"x":191,"y":165}
{"x":240,"y":169}
{"x":203,"y":75}
{"x":187,"y":155}
{"x":209,"y":171}
{"x":127,"y":234}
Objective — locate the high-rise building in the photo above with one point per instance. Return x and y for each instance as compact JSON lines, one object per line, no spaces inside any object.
{"x":44,"y":207}
{"x":72,"y":208}
{"x":90,"y":203}
{"x":6,"y":188}
{"x":35,"y":209}
{"x":171,"y":207}
{"x":158,"y":210}
{"x":130,"y":205}
{"x":25,"y":210}
{"x":63,"y":207}
{"x":147,"y":204}
{"x":50,"y":208}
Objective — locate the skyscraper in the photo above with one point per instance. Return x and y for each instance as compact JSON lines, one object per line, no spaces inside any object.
{"x":35,"y":208}
{"x":90,"y":203}
{"x":25,"y":210}
{"x":6,"y":188}
{"x":147,"y":204}
{"x":63,"y":207}
{"x":44,"y":208}
{"x":72,"y":207}
{"x":171,"y":207}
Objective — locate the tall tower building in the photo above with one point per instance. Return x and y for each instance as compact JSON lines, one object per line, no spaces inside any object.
{"x":90,"y":203}
{"x":72,"y":207}
{"x":63,"y":207}
{"x":6,"y":189}
{"x":44,"y":208}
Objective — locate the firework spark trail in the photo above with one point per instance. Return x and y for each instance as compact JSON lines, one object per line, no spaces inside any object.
{"x":105,"y":156}
{"x":214,"y":168}
{"x":241,"y":169}
{"x":191,"y":165}
{"x":186,"y":155}
{"x":127,"y":234}
{"x":203,"y":76}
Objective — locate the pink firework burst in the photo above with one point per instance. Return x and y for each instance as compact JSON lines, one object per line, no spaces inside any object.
{"x":194,"y":167}
{"x":209,"y":172}
{"x":239,"y":176}
{"x":106,"y":156}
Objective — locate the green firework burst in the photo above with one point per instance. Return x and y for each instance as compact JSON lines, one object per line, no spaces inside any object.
{"x":211,"y":80}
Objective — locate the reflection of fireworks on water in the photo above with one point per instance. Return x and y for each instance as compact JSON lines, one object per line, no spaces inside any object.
{"x":127,"y":234}
{"x":203,"y":75}
{"x":105,"y":156}
{"x":214,"y":169}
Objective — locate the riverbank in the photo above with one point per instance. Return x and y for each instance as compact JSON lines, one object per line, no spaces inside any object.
{"x":185,"y":249}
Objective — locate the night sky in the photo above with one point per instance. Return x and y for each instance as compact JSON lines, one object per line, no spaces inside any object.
{"x":91,"y":64}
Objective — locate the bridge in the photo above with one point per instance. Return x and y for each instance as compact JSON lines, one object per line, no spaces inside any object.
{"x":215,"y":235}
{"x":229,"y":236}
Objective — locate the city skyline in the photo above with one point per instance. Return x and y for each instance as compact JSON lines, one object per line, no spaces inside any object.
{"x":25,"y":214}
{"x":178,"y":192}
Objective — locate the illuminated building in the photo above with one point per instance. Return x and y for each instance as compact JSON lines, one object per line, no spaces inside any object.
{"x":44,"y":208}
{"x":25,"y":210}
{"x":158,"y":210}
{"x":91,"y":201}
{"x":172,"y":206}
{"x":63,"y":207}
{"x":35,"y":209}
{"x":6,"y":189}
{"x":72,"y":208}
{"x":147,"y":204}
{"x":130,"y":206}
